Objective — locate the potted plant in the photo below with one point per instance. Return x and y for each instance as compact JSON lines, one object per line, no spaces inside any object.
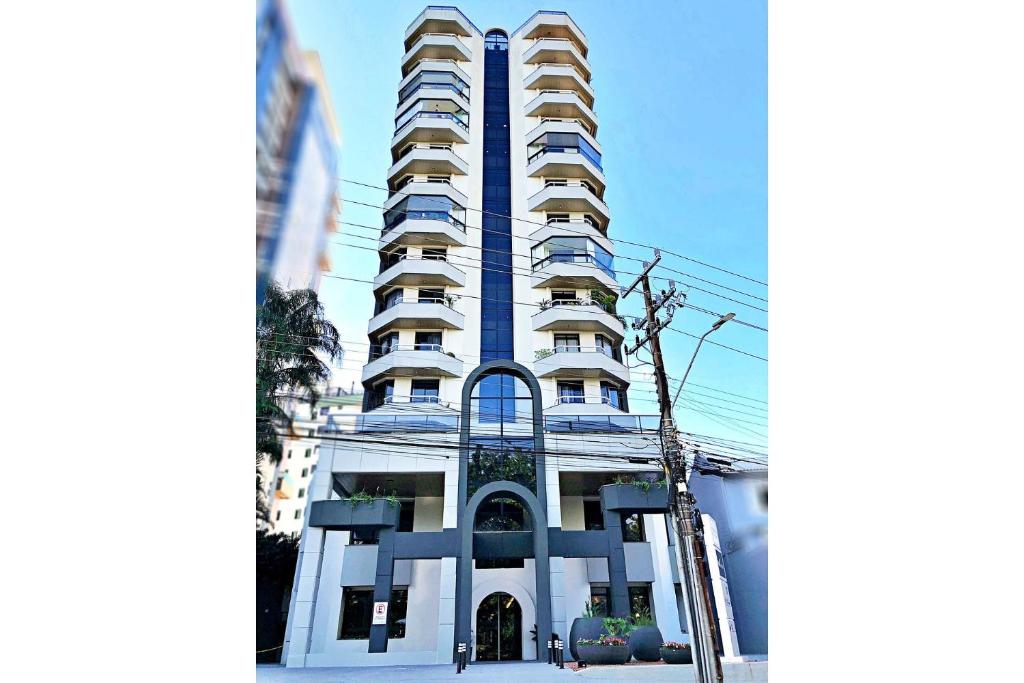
{"x":588,"y":627}
{"x":604,"y":650}
{"x":645,"y":639}
{"x":676,"y":653}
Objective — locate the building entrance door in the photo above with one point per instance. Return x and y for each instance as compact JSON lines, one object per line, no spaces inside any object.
{"x":499,"y":629}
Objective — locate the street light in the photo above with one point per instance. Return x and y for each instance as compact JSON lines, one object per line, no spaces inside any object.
{"x":721,"y":321}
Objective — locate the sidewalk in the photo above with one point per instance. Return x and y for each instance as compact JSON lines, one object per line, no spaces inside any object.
{"x":519,"y":672}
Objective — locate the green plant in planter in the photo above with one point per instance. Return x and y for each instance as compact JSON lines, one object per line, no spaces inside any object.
{"x":588,"y":610}
{"x":360,"y":497}
{"x":617,"y":626}
{"x":603,"y":640}
{"x":541,"y":354}
{"x":604,"y":300}
{"x":643,"y":618}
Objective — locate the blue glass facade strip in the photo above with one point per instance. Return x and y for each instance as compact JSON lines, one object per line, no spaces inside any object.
{"x":496,"y":333}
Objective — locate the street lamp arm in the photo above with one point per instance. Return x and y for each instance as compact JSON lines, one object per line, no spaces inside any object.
{"x":721,"y":321}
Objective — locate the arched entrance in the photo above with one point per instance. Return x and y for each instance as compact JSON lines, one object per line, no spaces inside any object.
{"x":499,"y":629}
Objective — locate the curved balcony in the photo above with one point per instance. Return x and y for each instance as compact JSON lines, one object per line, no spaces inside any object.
{"x":411,"y":271}
{"x":569,"y":197}
{"x":565,"y":162}
{"x":577,"y":270}
{"x":575,"y":227}
{"x":412,"y":361}
{"x":560,"y":77}
{"x":435,"y":92}
{"x":427,"y":64}
{"x":581,"y":407}
{"x":417,"y":314}
{"x":557,"y":51}
{"x":420,"y":187}
{"x":439,"y":19}
{"x":424,"y":227}
{"x":557,"y":125}
{"x":424,"y":159}
{"x":561,"y":104}
{"x":579,"y":315}
{"x":553,"y":24}
{"x":432,"y":126}
{"x":581,"y":362}
{"x":435,"y":46}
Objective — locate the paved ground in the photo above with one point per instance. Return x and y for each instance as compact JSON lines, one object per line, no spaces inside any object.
{"x":517,"y":672}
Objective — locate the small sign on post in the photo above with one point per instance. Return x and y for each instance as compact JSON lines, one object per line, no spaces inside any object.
{"x":380,"y":613}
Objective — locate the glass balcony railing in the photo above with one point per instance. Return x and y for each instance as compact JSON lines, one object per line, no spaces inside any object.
{"x":590,"y":156}
{"x":431,"y":115}
{"x":424,"y":216}
{"x":435,"y":422}
{"x":379,"y":351}
{"x":574,"y":257}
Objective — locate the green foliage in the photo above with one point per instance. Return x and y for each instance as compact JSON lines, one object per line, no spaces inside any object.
{"x":604,"y":300}
{"x":364,"y":497}
{"x":588,"y":610}
{"x":607,"y":641}
{"x":276,"y":555}
{"x":641,"y":483}
{"x":617,"y":626}
{"x":541,"y":354}
{"x":642,"y":617}
{"x":498,"y":465}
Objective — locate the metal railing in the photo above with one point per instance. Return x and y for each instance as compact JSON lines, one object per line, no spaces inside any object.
{"x":434,"y":421}
{"x":379,"y":351}
{"x":413,"y":146}
{"x":575,"y":348}
{"x":586,"y":219}
{"x":574,"y":257}
{"x":582,"y":398}
{"x":550,"y":11}
{"x":636,"y":424}
{"x":419,"y":300}
{"x":559,"y":64}
{"x":424,"y":216}
{"x":409,"y":179}
{"x":462,"y":92}
{"x":450,"y":8}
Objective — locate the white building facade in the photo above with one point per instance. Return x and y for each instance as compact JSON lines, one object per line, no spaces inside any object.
{"x":495,"y":483}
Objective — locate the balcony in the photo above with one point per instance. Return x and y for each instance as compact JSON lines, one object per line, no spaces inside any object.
{"x":553,"y":24}
{"x":426,"y":64}
{"x":411,"y":361}
{"x":439,"y":19}
{"x":454,"y":96}
{"x":575,"y":270}
{"x":573,"y":227}
{"x":560,"y":77}
{"x":435,"y":46}
{"x":565,"y":162}
{"x":411,"y":271}
{"x":584,"y":362}
{"x":567,"y":197}
{"x":426,"y":159}
{"x":432,"y":127}
{"x":557,"y":51}
{"x":426,"y":188}
{"x":424,"y":227}
{"x":599,"y":423}
{"x":581,"y":315}
{"x":561,"y":104}
{"x":417,"y":314}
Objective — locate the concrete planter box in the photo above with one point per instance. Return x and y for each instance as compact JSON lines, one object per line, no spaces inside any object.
{"x":632,"y":498}
{"x":645,"y":643}
{"x":604,"y":654}
{"x":342,"y":515}
{"x":672,"y":656}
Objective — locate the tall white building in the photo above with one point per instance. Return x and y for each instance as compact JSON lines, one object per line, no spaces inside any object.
{"x":495,"y":408}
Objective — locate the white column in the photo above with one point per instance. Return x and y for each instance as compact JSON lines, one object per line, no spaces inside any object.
{"x":446,"y":611}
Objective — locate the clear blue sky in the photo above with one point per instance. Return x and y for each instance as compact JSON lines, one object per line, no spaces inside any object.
{"x":682,"y":99}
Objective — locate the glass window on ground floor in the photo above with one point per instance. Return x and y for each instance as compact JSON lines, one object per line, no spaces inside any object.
{"x":593,"y":517}
{"x":357,"y":612}
{"x":640,"y":601}
{"x":633,"y":529}
{"x":599,"y":600}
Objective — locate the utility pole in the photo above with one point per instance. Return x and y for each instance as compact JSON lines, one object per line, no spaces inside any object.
{"x":702,"y":640}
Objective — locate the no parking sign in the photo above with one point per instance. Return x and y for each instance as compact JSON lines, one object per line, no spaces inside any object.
{"x":380,"y":613}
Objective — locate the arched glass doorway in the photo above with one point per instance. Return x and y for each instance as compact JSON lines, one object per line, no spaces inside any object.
{"x":499,"y":629}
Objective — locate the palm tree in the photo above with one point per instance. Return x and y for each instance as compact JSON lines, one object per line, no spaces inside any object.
{"x":290,"y":331}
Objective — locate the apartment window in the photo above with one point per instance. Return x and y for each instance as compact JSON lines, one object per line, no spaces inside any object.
{"x":302,"y":493}
{"x":567,"y":343}
{"x":279,"y":482}
{"x":567,"y":296}
{"x":393,"y":297}
{"x":309,"y":452}
{"x":599,"y":600}
{"x":289,"y":455}
{"x":364,"y":537}
{"x":305,"y":471}
{"x":390,"y":258}
{"x":298,"y":514}
{"x":434,"y":296}
{"x":593,"y":517}
{"x":406,"y":514}
{"x":436,"y":254}
{"x":425,"y":390}
{"x":386,"y":344}
{"x":605,"y":346}
{"x":633,"y":529}
{"x":397,"y":610}
{"x":570,"y":392}
{"x":356,"y":613}
{"x":557,"y":218}
{"x":612,"y":395}
{"x":382,"y":393}
{"x":277,"y":517}
{"x":312,"y":469}
{"x":428,"y":341}
{"x":640,"y":600}
{"x":310,"y":432}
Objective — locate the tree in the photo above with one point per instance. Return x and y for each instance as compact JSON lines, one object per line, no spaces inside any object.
{"x":276,"y":555}
{"x":291,"y":330}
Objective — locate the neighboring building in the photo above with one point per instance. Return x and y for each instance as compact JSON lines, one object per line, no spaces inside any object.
{"x":296,"y":157}
{"x":287,"y":483}
{"x":736,"y":497}
{"x":495,"y":394}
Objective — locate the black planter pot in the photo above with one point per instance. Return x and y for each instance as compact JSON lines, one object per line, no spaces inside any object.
{"x":676,"y":656}
{"x":604,"y":654}
{"x":645,"y":643}
{"x":587,"y":628}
